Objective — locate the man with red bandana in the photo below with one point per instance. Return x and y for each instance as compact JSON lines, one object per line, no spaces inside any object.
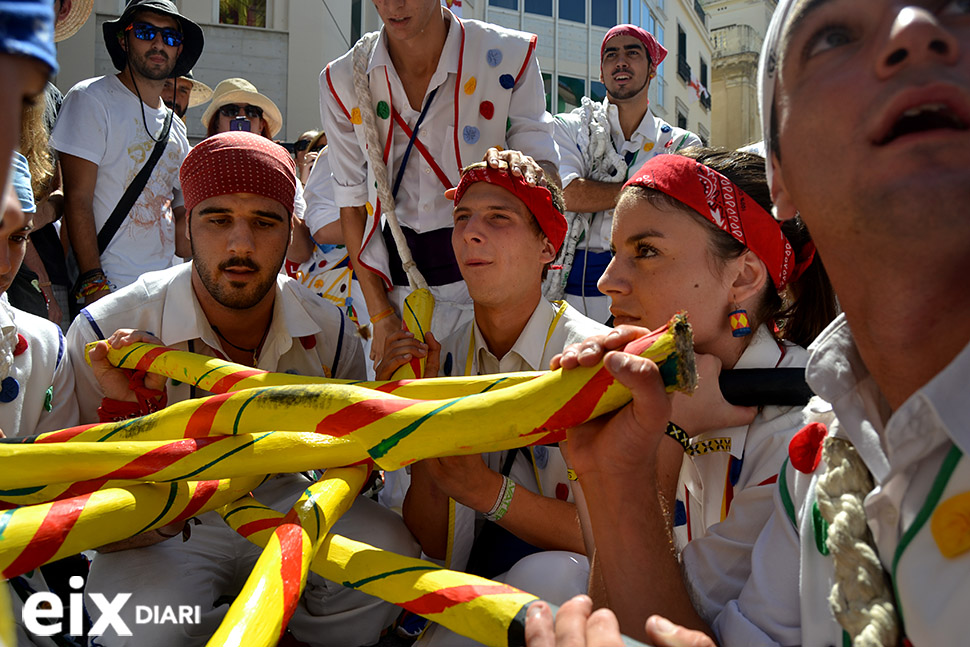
{"x":514,"y":517}
{"x":601,"y":146}
{"x":229,"y":302}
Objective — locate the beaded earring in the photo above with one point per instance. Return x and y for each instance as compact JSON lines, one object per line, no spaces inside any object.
{"x":739,"y":322}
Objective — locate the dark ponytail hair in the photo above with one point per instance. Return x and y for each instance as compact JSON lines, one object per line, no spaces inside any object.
{"x":807,"y":305}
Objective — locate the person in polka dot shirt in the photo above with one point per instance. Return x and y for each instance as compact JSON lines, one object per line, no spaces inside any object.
{"x":462,"y":87}
{"x":602,"y":145}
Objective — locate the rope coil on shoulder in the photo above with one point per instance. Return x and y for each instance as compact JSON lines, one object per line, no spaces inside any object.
{"x":861,"y":598}
{"x":361,"y":57}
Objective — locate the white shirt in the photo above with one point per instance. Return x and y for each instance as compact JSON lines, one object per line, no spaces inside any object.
{"x":785,"y":600}
{"x":101,"y":121}
{"x":545,"y":335}
{"x":307,"y":336}
{"x":42,"y":372}
{"x":724,"y":494}
{"x":321,"y":209}
{"x":653,"y":137}
{"x":420,"y":202}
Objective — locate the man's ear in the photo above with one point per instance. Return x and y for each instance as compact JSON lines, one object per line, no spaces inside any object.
{"x":122,"y":41}
{"x":548,"y":253}
{"x":750,"y":277}
{"x":784,"y":207}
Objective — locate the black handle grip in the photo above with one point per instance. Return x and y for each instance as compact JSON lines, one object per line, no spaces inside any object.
{"x":753,"y":387}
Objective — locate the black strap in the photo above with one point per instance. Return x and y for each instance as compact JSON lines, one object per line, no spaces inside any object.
{"x":414,"y":135}
{"x":113,"y":224}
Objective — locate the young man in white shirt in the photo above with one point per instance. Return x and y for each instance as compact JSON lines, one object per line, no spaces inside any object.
{"x":602,"y":145}
{"x":880,"y":481}
{"x":106,"y":130}
{"x":506,"y":232}
{"x":462,"y":87}
{"x":230,"y":302}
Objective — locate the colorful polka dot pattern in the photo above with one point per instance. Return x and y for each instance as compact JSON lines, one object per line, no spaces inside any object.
{"x":494,"y":57}
{"x":383,"y":110}
{"x":470,"y":86}
{"x":507,"y":81}
{"x":950,"y":525}
{"x":355,"y":117}
{"x":471,"y":135}
{"x":238,"y":162}
{"x":9,"y":389}
{"x":487,"y":109}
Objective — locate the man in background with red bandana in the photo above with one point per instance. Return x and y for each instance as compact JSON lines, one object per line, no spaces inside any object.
{"x":229,"y":302}
{"x":601,"y":146}
{"x":515,"y":519}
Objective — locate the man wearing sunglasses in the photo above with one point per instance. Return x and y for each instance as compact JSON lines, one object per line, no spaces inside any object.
{"x":106,"y":133}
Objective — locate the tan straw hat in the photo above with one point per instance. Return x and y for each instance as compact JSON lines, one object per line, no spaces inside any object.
{"x":242,"y":91}
{"x":200,"y":91}
{"x":76,"y":16}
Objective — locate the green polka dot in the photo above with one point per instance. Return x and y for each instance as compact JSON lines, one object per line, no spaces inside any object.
{"x":508,"y":124}
{"x":383,"y":110}
{"x":49,"y":399}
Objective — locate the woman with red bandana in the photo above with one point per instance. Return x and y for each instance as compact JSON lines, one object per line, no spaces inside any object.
{"x":694,"y":232}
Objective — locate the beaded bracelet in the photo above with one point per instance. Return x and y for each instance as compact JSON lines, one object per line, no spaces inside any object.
{"x":503,"y":500}
{"x":91,"y":282}
{"x":678,"y":434}
{"x":382,"y":315}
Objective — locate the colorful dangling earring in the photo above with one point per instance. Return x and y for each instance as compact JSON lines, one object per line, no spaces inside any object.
{"x":739,"y":322}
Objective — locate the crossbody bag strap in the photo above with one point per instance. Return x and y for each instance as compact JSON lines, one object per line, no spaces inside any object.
{"x":113,"y":224}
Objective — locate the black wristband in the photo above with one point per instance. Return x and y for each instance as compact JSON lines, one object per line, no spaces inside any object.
{"x":678,"y":434}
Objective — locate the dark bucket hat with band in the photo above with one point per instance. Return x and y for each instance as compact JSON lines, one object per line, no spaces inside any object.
{"x":191,"y":44}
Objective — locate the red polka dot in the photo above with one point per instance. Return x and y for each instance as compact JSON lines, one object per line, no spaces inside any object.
{"x":562,"y":491}
{"x":21,"y":345}
{"x":309,"y":341}
{"x":487,"y":109}
{"x":805,"y":448}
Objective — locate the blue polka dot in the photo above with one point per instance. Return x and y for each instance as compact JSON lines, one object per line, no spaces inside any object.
{"x":680,"y":514}
{"x":471,"y":134}
{"x":665,"y":128}
{"x":494,"y":57}
{"x":541,"y":455}
{"x":507,"y":81}
{"x":735,"y":469}
{"x":9,"y":389}
{"x":448,"y":362}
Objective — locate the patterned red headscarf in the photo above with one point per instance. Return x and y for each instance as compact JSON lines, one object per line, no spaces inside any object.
{"x":656,"y":51}
{"x":538,"y":199}
{"x":238,"y":162}
{"x":724,"y":203}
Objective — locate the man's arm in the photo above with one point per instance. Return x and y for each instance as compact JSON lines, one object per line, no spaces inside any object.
{"x":590,"y":196}
{"x":352,"y":224}
{"x":80,"y":178}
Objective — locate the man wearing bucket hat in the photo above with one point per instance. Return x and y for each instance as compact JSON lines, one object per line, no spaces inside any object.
{"x":602,"y":144}
{"x":185,"y":92}
{"x":120,"y":149}
{"x":238,"y":105}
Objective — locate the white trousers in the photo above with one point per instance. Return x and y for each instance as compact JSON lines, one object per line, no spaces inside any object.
{"x":214,"y":564}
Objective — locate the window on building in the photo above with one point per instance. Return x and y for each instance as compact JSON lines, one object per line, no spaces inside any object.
{"x":633,"y":11}
{"x":505,"y":4}
{"x":571,"y":91}
{"x":574,"y":10}
{"x":703,"y":72}
{"x":681,"y":120}
{"x":541,"y":7}
{"x":683,"y":67}
{"x":649,"y":22}
{"x":603,"y":13}
{"x":251,"y":13}
{"x":355,"y":30}
{"x":597,"y":91}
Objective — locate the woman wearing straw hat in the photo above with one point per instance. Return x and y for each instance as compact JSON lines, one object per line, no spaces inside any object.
{"x":238,"y":105}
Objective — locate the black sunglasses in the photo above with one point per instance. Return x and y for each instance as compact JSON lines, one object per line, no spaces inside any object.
{"x":231,"y":110}
{"x":147,"y":31}
{"x":301,"y":144}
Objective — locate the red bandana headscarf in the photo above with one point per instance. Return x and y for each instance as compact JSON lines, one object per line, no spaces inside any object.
{"x":724,"y":203}
{"x":656,"y":51}
{"x":538,"y":199}
{"x":238,"y":162}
